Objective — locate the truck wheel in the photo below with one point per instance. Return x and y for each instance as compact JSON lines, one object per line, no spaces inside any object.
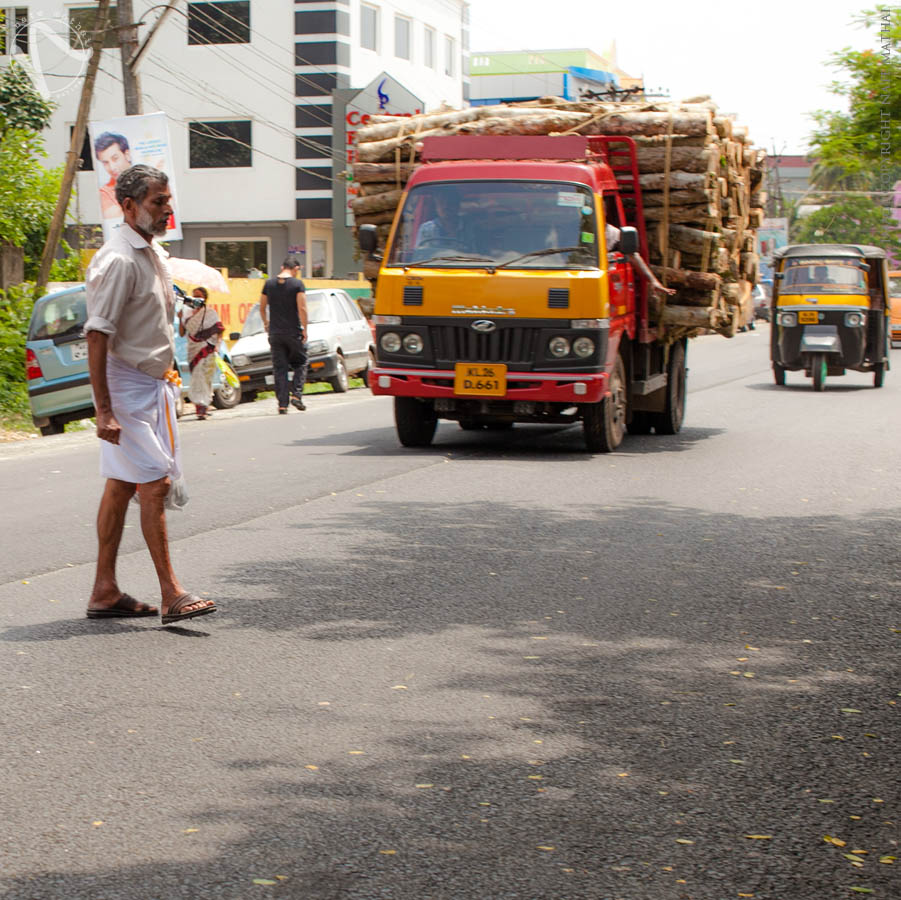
{"x":415,"y":421}
{"x":779,"y":374}
{"x":641,"y":423}
{"x":604,"y":423}
{"x":878,"y":375}
{"x":53,"y":428}
{"x":818,"y":370}
{"x":470,"y":425}
{"x":340,"y":381}
{"x":670,"y":420}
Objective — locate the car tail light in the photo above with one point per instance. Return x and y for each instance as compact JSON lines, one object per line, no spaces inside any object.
{"x":32,"y":366}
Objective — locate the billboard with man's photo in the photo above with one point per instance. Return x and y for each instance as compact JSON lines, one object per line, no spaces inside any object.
{"x":127,"y":141}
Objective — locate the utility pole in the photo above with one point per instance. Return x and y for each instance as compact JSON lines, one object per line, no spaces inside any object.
{"x":75,"y":143}
{"x":128,"y":42}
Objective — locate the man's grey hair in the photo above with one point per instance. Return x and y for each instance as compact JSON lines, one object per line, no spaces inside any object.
{"x":135,"y":182}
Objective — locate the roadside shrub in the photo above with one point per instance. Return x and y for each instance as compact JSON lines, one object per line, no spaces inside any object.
{"x":15,"y":314}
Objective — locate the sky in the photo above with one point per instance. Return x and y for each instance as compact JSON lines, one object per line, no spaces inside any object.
{"x":765,"y":61}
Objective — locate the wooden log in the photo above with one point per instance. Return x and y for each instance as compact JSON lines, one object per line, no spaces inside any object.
{"x":698,"y":281}
{"x":698,"y":214}
{"x":755,"y":218}
{"x":723,"y":125}
{"x":378,"y":151}
{"x":692,"y":240}
{"x":690,"y":316}
{"x":656,"y":181}
{"x":398,"y":126}
{"x":549,"y":122}
{"x":684,"y":159}
{"x":719,"y":261}
{"x":656,"y":141}
{"x":376,"y":203}
{"x":365,"y":172}
{"x":367,"y":189}
{"x":631,"y":123}
{"x":379,"y":218}
{"x":678,"y":198}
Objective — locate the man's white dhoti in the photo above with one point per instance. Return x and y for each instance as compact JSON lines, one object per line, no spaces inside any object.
{"x":148,"y":447}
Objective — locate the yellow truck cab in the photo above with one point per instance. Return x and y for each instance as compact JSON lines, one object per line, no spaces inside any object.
{"x":506,"y":293}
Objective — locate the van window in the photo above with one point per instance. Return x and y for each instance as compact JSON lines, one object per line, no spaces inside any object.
{"x":55,"y":316}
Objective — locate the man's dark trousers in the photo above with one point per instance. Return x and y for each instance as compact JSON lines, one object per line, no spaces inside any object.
{"x":288,"y":352}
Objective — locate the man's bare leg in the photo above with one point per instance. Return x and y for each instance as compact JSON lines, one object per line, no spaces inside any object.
{"x":110,"y":522}
{"x":153,"y":525}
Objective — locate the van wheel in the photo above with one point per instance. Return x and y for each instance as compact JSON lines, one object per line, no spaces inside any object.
{"x":604,"y":423}
{"x":53,"y":428}
{"x":670,"y":420}
{"x":340,"y":381}
{"x":415,"y":421}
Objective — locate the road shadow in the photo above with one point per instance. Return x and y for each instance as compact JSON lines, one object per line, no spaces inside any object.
{"x":638,"y":700}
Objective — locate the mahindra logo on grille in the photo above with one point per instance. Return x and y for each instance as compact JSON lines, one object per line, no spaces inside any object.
{"x":484,"y":325}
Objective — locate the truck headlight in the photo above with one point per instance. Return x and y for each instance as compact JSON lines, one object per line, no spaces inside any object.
{"x":788,"y":319}
{"x":558,"y":346}
{"x":413,"y":343}
{"x":241,"y":360}
{"x":583,"y":347}
{"x":316,"y":347}
{"x":853,"y":319}
{"x":390,"y":342}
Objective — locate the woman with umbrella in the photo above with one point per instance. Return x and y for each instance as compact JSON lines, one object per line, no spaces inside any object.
{"x":204,"y":332}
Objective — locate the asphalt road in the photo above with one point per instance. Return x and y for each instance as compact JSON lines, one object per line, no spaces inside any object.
{"x":497,"y":668}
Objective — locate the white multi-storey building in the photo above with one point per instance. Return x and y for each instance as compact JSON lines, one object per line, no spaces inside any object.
{"x":248,"y":88}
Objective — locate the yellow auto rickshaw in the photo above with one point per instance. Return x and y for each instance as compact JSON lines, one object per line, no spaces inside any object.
{"x":830,"y":311}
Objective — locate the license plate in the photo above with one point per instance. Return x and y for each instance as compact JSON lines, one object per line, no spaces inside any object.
{"x":808,"y":317}
{"x":480,"y":380}
{"x":79,"y":350}
{"x":270,"y":379}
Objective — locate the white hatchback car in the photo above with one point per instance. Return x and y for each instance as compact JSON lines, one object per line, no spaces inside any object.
{"x":339,"y":344}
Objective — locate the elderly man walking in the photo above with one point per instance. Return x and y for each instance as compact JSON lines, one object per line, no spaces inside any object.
{"x":130,"y":357}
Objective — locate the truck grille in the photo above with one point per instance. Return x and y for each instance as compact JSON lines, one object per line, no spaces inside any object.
{"x":509,"y":345}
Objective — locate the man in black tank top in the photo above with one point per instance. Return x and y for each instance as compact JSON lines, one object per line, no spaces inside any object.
{"x":283,"y":309}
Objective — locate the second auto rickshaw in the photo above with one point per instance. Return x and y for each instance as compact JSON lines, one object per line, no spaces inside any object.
{"x":830,"y":311}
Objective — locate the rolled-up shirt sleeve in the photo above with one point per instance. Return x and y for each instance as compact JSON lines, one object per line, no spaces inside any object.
{"x":110,"y":282}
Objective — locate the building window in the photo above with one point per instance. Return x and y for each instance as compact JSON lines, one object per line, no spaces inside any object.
{"x":428,"y":47}
{"x":238,"y":255}
{"x":369,"y":27}
{"x":402,"y":31}
{"x":450,"y":54}
{"x":82,"y":21}
{"x":222,"y":22}
{"x":220,"y":145}
{"x":86,"y":158}
{"x":13,"y":30}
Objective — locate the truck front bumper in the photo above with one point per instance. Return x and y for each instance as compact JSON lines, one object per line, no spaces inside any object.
{"x":536,"y":387}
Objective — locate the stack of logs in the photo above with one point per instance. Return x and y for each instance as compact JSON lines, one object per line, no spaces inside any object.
{"x":701,"y":180}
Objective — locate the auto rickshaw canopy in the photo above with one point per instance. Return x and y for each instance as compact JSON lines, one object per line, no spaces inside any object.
{"x":852,"y":251}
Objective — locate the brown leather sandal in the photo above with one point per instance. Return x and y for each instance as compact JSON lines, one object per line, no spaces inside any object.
{"x":187,"y":599}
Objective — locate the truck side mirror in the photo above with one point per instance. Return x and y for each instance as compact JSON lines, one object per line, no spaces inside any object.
{"x":367,"y":238}
{"x":628,"y":241}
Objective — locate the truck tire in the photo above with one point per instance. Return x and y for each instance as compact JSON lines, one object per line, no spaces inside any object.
{"x":779,"y":374}
{"x":641,"y":423}
{"x":818,"y":367}
{"x":53,"y":428}
{"x":878,"y":375}
{"x":340,"y":382}
{"x":670,"y":420}
{"x":604,"y":423}
{"x":415,"y":421}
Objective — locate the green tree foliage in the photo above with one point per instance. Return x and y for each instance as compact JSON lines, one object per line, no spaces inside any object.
{"x":21,"y":107}
{"x":15,"y":314}
{"x":854,"y":220}
{"x":851,"y":145}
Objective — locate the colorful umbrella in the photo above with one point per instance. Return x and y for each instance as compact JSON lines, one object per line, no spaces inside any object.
{"x":197,"y":274}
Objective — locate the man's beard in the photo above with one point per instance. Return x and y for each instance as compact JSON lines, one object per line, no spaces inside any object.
{"x":146,"y":222}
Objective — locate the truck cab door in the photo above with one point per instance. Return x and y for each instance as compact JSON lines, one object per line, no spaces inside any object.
{"x":622,"y":285}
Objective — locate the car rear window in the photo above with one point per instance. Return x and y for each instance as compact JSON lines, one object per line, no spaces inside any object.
{"x":57,"y":315}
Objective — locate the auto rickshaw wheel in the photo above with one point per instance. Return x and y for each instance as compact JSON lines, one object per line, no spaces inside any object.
{"x":878,"y":375}
{"x":818,"y":368}
{"x":779,"y":374}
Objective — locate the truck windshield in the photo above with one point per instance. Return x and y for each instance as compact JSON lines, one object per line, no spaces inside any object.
{"x":464,"y":224}
{"x":823,"y":276}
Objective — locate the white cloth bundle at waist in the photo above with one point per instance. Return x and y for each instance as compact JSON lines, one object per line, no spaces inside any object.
{"x":148,"y":447}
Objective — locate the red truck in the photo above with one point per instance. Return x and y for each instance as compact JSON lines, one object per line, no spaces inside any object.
{"x":507,"y":293}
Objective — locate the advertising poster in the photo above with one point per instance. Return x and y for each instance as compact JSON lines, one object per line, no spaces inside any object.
{"x":128,"y":141}
{"x":772,"y":235}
